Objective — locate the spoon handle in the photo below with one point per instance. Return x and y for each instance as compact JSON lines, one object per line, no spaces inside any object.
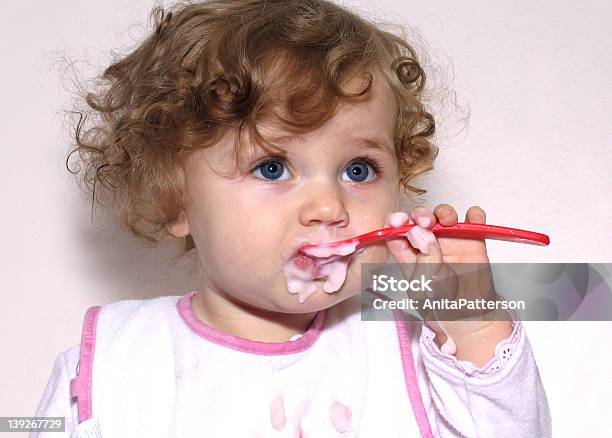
{"x":465,"y":231}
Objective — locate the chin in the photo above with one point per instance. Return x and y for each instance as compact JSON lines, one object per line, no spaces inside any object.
{"x":319,"y":300}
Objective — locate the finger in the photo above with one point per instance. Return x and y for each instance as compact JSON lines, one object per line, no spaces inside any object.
{"x":423,"y":217}
{"x":399,"y":247}
{"x":429,"y":256}
{"x":428,"y":260}
{"x":397,"y":219}
{"x":424,"y":240}
{"x":475,"y":215}
{"x":446,"y":215}
{"x":419,"y":251}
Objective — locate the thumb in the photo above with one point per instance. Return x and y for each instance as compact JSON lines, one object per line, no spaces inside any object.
{"x":399,"y":247}
{"x":426,"y":260}
{"x":417,"y":252}
{"x":425,"y":242}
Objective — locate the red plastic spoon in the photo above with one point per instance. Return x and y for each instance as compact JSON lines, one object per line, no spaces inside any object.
{"x":459,"y":230}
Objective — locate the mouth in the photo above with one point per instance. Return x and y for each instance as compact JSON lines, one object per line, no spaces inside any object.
{"x":309,"y":265}
{"x":305,"y":262}
{"x":302,"y":269}
{"x":312,"y":263}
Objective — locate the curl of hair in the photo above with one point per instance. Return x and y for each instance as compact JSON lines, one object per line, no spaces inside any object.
{"x":216,"y":65}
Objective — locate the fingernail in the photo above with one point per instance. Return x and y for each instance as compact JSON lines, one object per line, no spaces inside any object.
{"x":423,"y":221}
{"x":398,"y":219}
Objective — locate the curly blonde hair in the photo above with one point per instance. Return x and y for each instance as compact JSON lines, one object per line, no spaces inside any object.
{"x":226,"y":64}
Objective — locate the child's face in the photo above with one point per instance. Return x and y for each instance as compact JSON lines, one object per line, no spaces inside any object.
{"x":246,"y":226}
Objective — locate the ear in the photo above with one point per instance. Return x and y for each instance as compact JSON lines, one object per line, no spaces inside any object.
{"x":179,"y":228}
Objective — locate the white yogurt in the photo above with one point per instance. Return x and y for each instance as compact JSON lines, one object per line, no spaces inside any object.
{"x":321,"y":262}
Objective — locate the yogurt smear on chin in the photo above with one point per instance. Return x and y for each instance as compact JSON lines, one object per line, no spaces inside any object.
{"x":322,"y":263}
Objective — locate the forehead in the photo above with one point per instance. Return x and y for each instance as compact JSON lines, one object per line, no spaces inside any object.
{"x":368,"y":117}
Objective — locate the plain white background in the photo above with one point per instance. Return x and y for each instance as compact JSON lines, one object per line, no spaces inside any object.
{"x":537,"y":154}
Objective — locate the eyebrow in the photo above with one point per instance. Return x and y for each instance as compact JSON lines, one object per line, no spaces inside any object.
{"x":368,"y":142}
{"x":372,"y":143}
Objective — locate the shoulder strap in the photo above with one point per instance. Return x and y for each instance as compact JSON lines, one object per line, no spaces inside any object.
{"x":410,"y":377}
{"x":408,"y":367}
{"x":80,"y":386}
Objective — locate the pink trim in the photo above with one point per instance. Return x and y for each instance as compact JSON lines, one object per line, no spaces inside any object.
{"x":410,"y":377}
{"x":81,"y":385}
{"x":246,"y":345}
{"x":73,"y":387}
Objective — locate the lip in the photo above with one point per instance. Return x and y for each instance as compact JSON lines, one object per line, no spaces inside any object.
{"x":293,"y":250}
{"x":306,"y":263}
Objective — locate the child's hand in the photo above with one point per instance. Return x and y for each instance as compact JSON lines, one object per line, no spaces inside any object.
{"x":432,"y":256}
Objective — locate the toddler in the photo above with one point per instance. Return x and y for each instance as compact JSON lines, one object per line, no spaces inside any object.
{"x":249,"y":129}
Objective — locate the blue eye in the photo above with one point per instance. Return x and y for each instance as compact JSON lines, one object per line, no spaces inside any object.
{"x":270,"y":170}
{"x":360,"y":171}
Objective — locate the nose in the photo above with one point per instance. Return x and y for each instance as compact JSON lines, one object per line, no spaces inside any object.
{"x":324,"y":206}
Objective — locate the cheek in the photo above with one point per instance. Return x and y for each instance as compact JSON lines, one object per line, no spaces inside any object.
{"x":239,"y":212}
{"x":235,"y":265}
{"x":241,"y":241}
{"x":371,"y":204}
{"x":370,"y":216}
{"x":231,"y":242}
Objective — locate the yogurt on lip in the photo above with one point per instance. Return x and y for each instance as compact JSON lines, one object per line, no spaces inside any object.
{"x":330,"y":264}
{"x":302,"y":269}
{"x":330,"y":251}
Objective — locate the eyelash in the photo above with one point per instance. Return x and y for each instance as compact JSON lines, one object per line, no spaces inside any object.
{"x":372,"y":162}
{"x":378,"y":168}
